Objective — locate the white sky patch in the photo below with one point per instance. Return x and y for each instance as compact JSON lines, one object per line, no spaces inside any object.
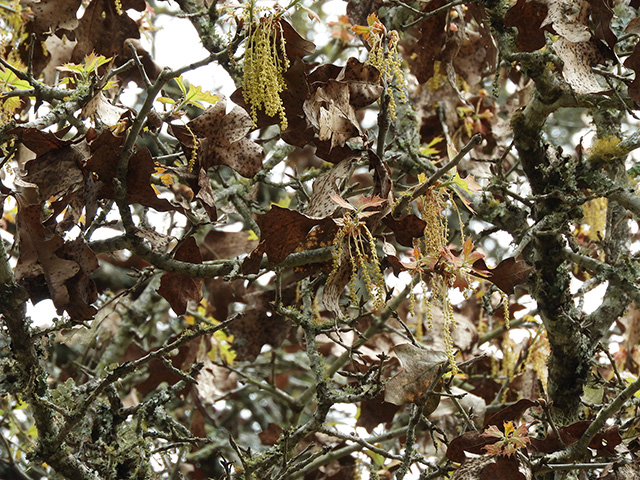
{"x":592,"y":298}
{"x":42,"y":313}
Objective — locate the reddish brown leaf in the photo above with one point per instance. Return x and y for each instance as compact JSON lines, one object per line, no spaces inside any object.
{"x":158,"y":372}
{"x":57,"y":172}
{"x":281,"y":231}
{"x":633,"y":62}
{"x":426,"y":45}
{"x":38,"y":141}
{"x":105,"y":151}
{"x":47,"y":268}
{"x":296,"y":46}
{"x":375,"y":411}
{"x":359,"y":10}
{"x":205,"y":195}
{"x":363,"y":80}
{"x":601,"y":15}
{"x":259,"y":325}
{"x":102,"y":30}
{"x":151,"y":68}
{"x":406,"y":229}
{"x":509,"y":273}
{"x":527,"y":16}
{"x":493,"y":467}
{"x":472,"y":442}
{"x":271,"y":435}
{"x":510,"y":413}
{"x":331,"y":154}
{"x":179,"y":289}
{"x":506,"y":468}
{"x":604,"y":443}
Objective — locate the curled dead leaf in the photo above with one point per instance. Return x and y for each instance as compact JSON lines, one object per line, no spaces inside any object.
{"x":420,"y":369}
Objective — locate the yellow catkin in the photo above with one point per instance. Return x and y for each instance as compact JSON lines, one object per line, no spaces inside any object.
{"x":509,"y":360}
{"x":356,"y":241}
{"x":436,"y":230}
{"x":594,"y":214}
{"x":441,"y":291}
{"x":118,"y":5}
{"x":539,"y":356}
{"x":507,"y":315}
{"x":388,"y":61}
{"x":265,"y":61}
{"x":194,"y":153}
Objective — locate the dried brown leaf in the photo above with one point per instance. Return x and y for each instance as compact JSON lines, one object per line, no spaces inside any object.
{"x":47,"y":267}
{"x":509,"y":273}
{"x":471,"y":442}
{"x":103,"y":31}
{"x":330,"y":112}
{"x":527,"y":16}
{"x":105,"y":150}
{"x":426,"y":43}
{"x":578,"y":58}
{"x":375,"y":411}
{"x":295,"y":45}
{"x":510,"y":413}
{"x":633,"y":62}
{"x":260,"y":325}
{"x":205,"y":195}
{"x":324,"y":186}
{"x":51,"y":15}
{"x":225,"y":141}
{"x":420,"y":368}
{"x":601,"y":15}
{"x":57,"y":172}
{"x":363,"y":80}
{"x":282,"y":230}
{"x":568,"y":19}
{"x":406,"y":228}
{"x":179,"y":290}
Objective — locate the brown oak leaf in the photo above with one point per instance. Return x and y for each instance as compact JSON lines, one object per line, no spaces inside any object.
{"x":49,"y":268}
{"x":281,"y":231}
{"x":509,"y":273}
{"x":527,"y":16}
{"x":224,"y":140}
{"x":420,"y":369}
{"x":51,"y":15}
{"x":103,"y":31}
{"x":179,"y":289}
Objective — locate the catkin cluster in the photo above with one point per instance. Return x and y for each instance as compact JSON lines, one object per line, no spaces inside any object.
{"x":265,"y":61}
{"x":357,"y":242}
{"x":386,"y":58}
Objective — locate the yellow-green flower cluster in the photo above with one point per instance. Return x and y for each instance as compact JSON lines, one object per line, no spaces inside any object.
{"x":389,"y":62}
{"x":265,"y":61}
{"x":118,"y":5}
{"x":595,"y":216}
{"x":436,"y":231}
{"x":358,"y":245}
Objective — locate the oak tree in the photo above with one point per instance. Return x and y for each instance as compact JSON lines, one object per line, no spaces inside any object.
{"x":406,"y":247}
